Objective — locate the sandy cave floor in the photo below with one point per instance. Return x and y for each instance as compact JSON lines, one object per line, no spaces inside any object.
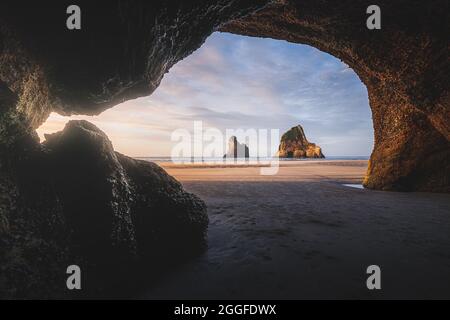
{"x":302,"y":234}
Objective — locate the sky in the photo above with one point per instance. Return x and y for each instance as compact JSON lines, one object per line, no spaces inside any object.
{"x":238,"y":82}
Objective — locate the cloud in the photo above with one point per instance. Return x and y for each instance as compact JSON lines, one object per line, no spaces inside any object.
{"x":243,"y":82}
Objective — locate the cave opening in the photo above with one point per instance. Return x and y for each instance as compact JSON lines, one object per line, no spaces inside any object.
{"x":275,"y":239}
{"x":241,"y":82}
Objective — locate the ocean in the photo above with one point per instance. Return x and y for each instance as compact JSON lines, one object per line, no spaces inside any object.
{"x":251,"y":159}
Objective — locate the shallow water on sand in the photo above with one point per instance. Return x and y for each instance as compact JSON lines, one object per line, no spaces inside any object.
{"x":357,"y":186}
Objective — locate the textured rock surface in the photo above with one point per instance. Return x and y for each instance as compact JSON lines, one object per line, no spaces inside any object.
{"x":294,"y":144}
{"x":33,"y":241}
{"x":405,"y":67}
{"x":236,"y":149}
{"x":34,"y":237}
{"x":95,"y":208}
{"x":123,"y":51}
{"x":126,"y":47}
{"x":170,"y":223}
{"x":93,"y":190}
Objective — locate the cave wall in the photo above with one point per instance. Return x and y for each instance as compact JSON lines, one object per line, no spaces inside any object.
{"x":405,"y":67}
{"x":125,"y":47}
{"x":76,"y":200}
{"x":122,"y":52}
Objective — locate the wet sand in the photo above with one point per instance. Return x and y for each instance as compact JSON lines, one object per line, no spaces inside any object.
{"x":303,"y":234}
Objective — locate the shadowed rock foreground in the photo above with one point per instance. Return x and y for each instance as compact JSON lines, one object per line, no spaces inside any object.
{"x":110,"y":215}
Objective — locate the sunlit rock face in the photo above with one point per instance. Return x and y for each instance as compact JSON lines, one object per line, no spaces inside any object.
{"x":236,"y":149}
{"x":294,"y":144}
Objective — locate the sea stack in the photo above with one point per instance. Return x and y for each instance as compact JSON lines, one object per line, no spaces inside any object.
{"x":236,"y":149}
{"x":294,"y":144}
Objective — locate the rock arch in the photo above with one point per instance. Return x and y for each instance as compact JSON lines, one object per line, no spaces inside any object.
{"x":122,"y":52}
{"x":405,"y":67}
{"x":125,"y":47}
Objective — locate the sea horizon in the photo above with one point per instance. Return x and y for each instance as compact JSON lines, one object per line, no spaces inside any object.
{"x":221,"y":159}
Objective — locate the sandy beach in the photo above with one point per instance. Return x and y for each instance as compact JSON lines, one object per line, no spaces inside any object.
{"x":339,"y":171}
{"x":303,"y":234}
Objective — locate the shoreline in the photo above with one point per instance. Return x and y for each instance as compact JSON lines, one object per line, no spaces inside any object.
{"x":303,"y":234}
{"x":256,"y":164}
{"x":339,"y":171}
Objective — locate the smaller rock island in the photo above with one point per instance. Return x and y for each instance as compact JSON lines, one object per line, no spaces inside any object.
{"x":236,"y":149}
{"x":294,"y":144}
